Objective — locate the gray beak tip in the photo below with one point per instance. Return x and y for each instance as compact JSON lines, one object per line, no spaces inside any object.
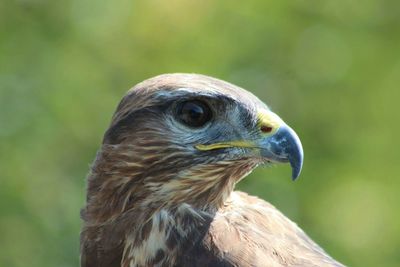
{"x":296,"y":170}
{"x":285,"y":146}
{"x":296,"y":156}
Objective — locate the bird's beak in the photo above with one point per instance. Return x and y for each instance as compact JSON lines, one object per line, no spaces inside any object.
{"x":284,"y":146}
{"x":277,"y":142}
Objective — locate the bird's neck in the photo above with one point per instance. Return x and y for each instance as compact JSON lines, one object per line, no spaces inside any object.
{"x":151,"y":220}
{"x":121,"y":181}
{"x":147,"y":234}
{"x":165,"y":234}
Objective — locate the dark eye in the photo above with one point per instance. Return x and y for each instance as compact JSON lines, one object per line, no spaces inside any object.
{"x":194,"y":113}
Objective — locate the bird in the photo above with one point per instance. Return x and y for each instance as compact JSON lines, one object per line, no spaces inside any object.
{"x":160,"y":191}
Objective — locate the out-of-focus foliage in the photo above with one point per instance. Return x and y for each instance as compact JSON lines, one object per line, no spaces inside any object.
{"x":331,"y":69}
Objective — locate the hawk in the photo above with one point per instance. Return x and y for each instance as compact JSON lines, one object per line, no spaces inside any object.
{"x":161,"y":189}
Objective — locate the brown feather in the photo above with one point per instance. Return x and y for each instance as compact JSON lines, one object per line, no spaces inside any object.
{"x":152,"y":201}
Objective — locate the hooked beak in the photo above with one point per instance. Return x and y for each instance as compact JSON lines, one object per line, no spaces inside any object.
{"x":278,"y":143}
{"x":284,"y":146}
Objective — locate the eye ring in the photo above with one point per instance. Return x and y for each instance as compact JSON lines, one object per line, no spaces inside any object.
{"x":194,"y":113}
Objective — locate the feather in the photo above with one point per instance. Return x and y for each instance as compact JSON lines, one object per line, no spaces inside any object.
{"x":155,"y":199}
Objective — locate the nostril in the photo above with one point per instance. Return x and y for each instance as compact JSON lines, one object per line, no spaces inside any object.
{"x":266,"y":129}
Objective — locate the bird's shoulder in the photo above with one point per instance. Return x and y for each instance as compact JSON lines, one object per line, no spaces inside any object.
{"x":249,"y":231}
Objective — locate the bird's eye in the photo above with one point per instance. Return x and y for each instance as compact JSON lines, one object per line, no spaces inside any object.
{"x":194,"y":113}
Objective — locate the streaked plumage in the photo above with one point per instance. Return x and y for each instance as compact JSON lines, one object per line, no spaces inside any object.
{"x":160,"y":192}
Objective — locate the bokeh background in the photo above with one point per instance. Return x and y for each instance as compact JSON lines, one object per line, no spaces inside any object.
{"x":331,"y":69}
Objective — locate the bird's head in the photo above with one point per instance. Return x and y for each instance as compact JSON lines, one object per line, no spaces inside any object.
{"x":186,"y":138}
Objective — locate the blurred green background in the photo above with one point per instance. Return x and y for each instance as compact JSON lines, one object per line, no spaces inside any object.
{"x":331,"y":69}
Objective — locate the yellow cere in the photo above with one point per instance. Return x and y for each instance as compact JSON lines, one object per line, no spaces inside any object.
{"x":266,"y":120}
{"x":270,"y":120}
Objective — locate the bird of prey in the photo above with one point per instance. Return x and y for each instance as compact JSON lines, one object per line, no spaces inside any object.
{"x":161,"y":189}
